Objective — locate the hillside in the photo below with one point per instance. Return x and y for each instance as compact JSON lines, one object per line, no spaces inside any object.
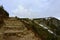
{"x":14,"y":28}
{"x":51,"y":25}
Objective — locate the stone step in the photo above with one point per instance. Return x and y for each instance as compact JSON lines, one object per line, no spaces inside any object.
{"x":13,"y":22}
{"x":13,"y":28}
{"x":16,"y":26}
{"x":6,"y":21}
{"x":14,"y":31}
{"x":12,"y":18}
{"x":16,"y":23}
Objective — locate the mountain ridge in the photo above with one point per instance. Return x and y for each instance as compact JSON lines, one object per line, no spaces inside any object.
{"x":15,"y":28}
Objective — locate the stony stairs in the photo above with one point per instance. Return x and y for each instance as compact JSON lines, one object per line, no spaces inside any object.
{"x":14,"y":29}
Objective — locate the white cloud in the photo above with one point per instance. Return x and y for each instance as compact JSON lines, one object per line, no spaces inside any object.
{"x":21,"y":11}
{"x":32,"y":8}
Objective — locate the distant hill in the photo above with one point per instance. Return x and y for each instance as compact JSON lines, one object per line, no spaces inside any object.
{"x":51,"y":24}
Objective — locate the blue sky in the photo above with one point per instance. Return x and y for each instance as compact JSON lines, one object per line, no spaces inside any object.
{"x":32,"y":8}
